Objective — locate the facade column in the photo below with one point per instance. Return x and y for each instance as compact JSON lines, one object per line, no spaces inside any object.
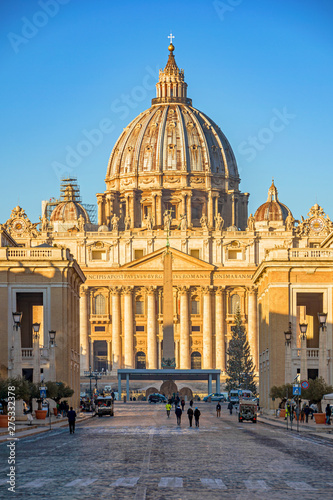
{"x":132,"y":209}
{"x":116,"y":329}
{"x":207,"y":329}
{"x":128,"y":327}
{"x":252,"y":327}
{"x":84,"y":330}
{"x":151,"y":328}
{"x":185,"y":359}
{"x":183,"y":204}
{"x":189,"y":210}
{"x":108,"y":210}
{"x":210,"y":210}
{"x":220,"y":328}
{"x":304,"y":367}
{"x":159,"y":209}
{"x":323,"y":353}
{"x":153,"y":208}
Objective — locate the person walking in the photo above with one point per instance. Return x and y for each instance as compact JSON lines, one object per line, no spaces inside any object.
{"x":307,"y":413}
{"x":178,"y":413}
{"x":190,"y":415}
{"x":230,"y":407}
{"x":183,"y":404}
{"x":328,"y":412}
{"x":71,"y":415}
{"x":218,"y":409}
{"x":191,"y":403}
{"x":197,"y":416}
{"x":168,"y":409}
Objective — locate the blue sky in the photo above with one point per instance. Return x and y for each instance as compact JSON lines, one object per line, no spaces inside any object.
{"x":261,"y":69}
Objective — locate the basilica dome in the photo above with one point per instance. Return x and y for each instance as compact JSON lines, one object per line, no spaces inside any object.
{"x":69,"y":210}
{"x":172,"y":136}
{"x":272,"y":210}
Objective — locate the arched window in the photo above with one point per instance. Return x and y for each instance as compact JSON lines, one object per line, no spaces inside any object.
{"x":195,"y":305}
{"x":140,"y":360}
{"x":195,"y":360}
{"x":100,"y":304}
{"x":139,"y":305}
{"x":235,"y":303}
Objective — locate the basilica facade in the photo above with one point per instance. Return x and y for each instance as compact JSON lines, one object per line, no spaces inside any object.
{"x":172,"y":185}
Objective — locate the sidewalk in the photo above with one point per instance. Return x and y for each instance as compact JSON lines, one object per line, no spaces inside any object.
{"x":23,"y":429}
{"x":311,"y":427}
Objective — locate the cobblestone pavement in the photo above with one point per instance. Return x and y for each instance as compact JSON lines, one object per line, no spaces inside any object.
{"x":141,"y":454}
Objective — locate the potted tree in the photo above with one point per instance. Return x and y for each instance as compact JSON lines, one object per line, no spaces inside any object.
{"x":21,"y":391}
{"x":57,"y":391}
{"x":315,"y":392}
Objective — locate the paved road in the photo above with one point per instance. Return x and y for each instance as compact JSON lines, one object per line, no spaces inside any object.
{"x":140,"y":454}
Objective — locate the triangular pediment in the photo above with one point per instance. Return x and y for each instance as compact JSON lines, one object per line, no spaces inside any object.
{"x":180,"y":262}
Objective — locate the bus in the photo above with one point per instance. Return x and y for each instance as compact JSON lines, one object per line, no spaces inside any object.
{"x":236,"y":394}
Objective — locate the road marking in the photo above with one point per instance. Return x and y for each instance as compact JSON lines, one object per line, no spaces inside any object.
{"x":213,"y":483}
{"x":256,"y":485}
{"x":80,"y":482}
{"x":170,"y":482}
{"x":128,"y":482}
{"x":36,"y":483}
{"x":300,"y":485}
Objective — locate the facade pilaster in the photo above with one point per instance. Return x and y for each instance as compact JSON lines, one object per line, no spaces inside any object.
{"x":116,"y":329}
{"x":84,"y":330}
{"x":323,"y":353}
{"x":128,"y":327}
{"x":151,"y":328}
{"x":189,"y":210}
{"x":252,"y":325}
{"x":207,"y":329}
{"x":220,"y":328}
{"x":185,"y":360}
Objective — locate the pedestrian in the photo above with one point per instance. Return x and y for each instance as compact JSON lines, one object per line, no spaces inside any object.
{"x":190,"y":415}
{"x":191,"y":403}
{"x":302,"y":415}
{"x":328,"y":412}
{"x":71,"y":415}
{"x":218,"y":409}
{"x":307,"y":412}
{"x":183,"y":404}
{"x":197,"y":416}
{"x":168,"y":409}
{"x":178,"y":413}
{"x":230,"y":407}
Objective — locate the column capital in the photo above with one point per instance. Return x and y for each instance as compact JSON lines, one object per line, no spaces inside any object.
{"x":115,"y":290}
{"x":150,"y":290}
{"x":252,"y":289}
{"x":206,"y":290}
{"x":127,"y":290}
{"x":220,"y":290}
{"x":183,"y":290}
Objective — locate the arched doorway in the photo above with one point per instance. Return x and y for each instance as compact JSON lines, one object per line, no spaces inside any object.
{"x":195,"y":360}
{"x":140,"y":360}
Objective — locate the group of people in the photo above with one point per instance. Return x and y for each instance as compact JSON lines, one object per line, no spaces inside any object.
{"x":180,"y":408}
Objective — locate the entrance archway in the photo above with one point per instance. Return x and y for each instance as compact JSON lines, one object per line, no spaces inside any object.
{"x":140,"y":360}
{"x":195,"y":360}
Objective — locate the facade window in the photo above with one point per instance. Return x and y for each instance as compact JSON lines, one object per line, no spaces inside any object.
{"x":173,"y":209}
{"x":196,"y":328}
{"x":197,"y":212}
{"x":235,"y":303}
{"x":139,"y":306}
{"x":195,"y":306}
{"x":195,"y":360}
{"x":100,"y":304}
{"x":146,"y":210}
{"x":138,"y":253}
{"x":140,"y":328}
{"x":194,"y":252}
{"x":99,"y":328}
{"x":235,"y":254}
{"x":98,"y":255}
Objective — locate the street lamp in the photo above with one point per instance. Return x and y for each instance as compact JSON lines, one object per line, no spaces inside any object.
{"x":321,"y":317}
{"x":52,"y":334}
{"x":36,"y":327}
{"x":288,"y":335}
{"x":303,"y":328}
{"x":17,"y":317}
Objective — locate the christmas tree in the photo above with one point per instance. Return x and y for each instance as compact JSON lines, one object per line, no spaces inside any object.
{"x":240,"y":366}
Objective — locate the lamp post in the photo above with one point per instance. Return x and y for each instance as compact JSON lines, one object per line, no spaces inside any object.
{"x":287,"y":373}
{"x":322,"y":317}
{"x":36,"y":354}
{"x":52,"y":345}
{"x":304,"y":369}
{"x":16,"y":370}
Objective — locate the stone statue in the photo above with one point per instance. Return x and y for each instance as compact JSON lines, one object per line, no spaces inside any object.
{"x":204,"y":221}
{"x":219,"y":222}
{"x":114,"y":222}
{"x":149,"y":222}
{"x":167,"y":220}
{"x":183,"y":222}
{"x":289,"y":222}
{"x":81,"y":222}
{"x":250,"y":223}
{"x":127,"y":222}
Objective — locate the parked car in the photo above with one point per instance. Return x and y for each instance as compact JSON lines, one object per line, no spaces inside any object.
{"x":157,"y":398}
{"x":214,"y":396}
{"x":104,"y":406}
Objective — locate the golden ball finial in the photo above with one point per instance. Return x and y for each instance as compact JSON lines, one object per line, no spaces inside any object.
{"x":171,"y":47}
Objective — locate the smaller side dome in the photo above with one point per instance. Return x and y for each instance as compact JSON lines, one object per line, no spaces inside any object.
{"x":69,"y":212}
{"x":273,"y":210}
